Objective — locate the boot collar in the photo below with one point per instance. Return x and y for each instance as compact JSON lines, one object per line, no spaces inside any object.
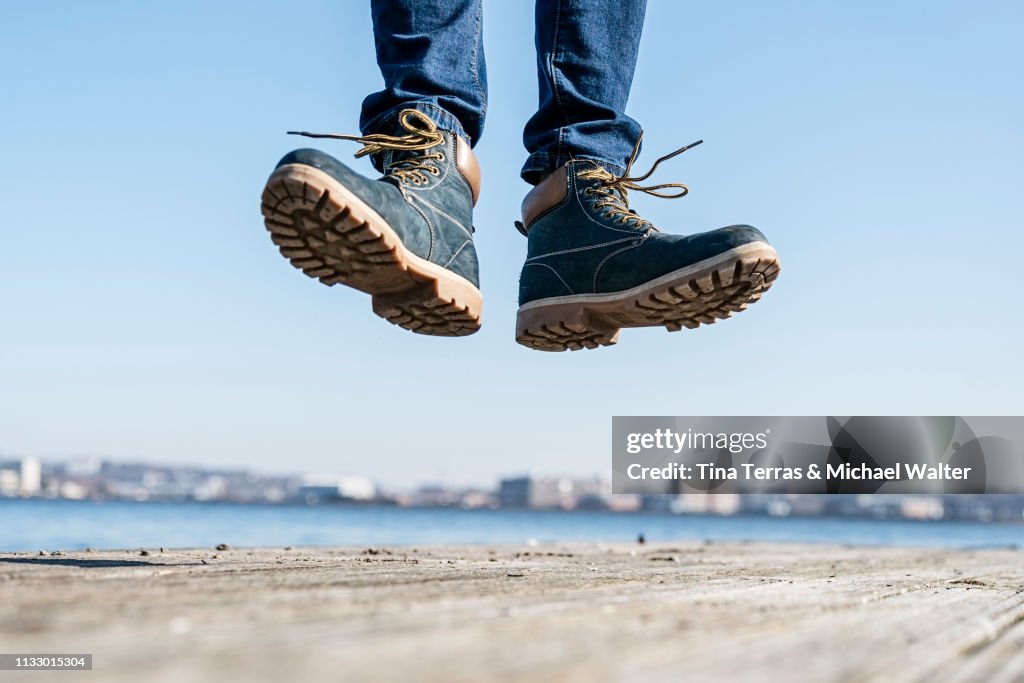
{"x":547,"y":194}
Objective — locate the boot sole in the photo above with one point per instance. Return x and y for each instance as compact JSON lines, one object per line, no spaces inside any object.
{"x":701,"y":294}
{"x":331,"y":235}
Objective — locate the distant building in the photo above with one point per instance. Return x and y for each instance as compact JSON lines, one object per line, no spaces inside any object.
{"x":9,"y":482}
{"x":551,"y":492}
{"x":436,"y":495}
{"x":922,"y":507}
{"x":708,"y":503}
{"x":31,"y":477}
{"x":327,"y":488}
{"x":21,"y":477}
{"x":514,"y":492}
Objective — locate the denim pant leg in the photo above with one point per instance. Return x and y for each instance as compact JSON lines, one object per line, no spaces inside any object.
{"x":586,"y":55}
{"x":432,"y":59}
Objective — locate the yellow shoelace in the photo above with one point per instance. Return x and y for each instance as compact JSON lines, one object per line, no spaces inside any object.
{"x":423,"y":135}
{"x":613,"y":189}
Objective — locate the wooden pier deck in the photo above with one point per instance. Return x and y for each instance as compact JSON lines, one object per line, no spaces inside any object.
{"x":686,"y":611}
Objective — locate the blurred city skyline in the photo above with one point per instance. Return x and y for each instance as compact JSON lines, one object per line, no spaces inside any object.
{"x":148,"y":317}
{"x":97,"y":480}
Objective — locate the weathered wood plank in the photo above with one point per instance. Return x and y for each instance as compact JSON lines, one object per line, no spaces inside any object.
{"x":745,"y":612}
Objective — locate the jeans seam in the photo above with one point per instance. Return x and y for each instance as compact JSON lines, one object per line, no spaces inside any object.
{"x":554,"y":76}
{"x":476,"y":57}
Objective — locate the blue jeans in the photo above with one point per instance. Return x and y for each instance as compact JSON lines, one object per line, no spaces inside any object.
{"x":431,"y":55}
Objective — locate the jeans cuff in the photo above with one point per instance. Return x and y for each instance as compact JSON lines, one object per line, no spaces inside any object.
{"x":387,"y":122}
{"x":541,"y":164}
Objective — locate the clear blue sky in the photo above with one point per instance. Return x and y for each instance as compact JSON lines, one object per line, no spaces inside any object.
{"x":146,"y":315}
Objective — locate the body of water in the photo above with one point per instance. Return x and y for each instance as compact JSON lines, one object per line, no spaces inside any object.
{"x":51,"y":525}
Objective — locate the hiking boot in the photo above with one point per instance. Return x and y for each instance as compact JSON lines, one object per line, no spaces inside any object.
{"x":594,"y":266}
{"x":406,"y":238}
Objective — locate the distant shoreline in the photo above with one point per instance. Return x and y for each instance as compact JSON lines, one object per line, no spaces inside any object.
{"x":52,"y":525}
{"x":354,"y":504}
